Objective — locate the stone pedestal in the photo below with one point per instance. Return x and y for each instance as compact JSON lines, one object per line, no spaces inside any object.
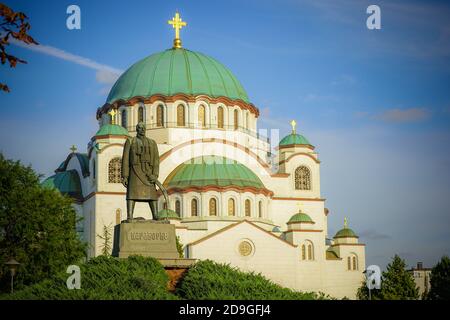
{"x":147,"y":238}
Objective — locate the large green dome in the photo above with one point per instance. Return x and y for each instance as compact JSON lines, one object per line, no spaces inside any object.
{"x":176,"y":71}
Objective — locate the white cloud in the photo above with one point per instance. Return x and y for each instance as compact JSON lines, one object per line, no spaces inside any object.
{"x":344,"y":79}
{"x":105,"y":74}
{"x":404,"y":115}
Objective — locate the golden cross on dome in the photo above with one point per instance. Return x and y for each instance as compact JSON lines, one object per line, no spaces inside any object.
{"x":300,"y":207}
{"x":113,"y":113}
{"x":345,"y":223}
{"x":293,"y":124}
{"x":177,"y":23}
{"x":73,"y":148}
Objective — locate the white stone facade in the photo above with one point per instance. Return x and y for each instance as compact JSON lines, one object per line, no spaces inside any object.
{"x":260,"y":241}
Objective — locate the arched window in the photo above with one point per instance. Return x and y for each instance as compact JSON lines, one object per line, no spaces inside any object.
{"x":124,"y":118}
{"x":260,"y":209}
{"x":212,"y":207}
{"x":178,"y":207}
{"x":355,"y":263}
{"x":141,"y":114}
{"x":194,"y":207}
{"x":248,"y":209}
{"x":302,"y":178}
{"x":115,"y":170}
{"x":160,"y":116}
{"x":236,"y":119}
{"x":181,"y":120}
{"x":307,"y":250}
{"x":349,"y":263}
{"x":118,"y":216}
{"x":310,"y":252}
{"x":231,"y":207}
{"x":201,"y":116}
{"x":220,"y":118}
{"x":246,"y":121}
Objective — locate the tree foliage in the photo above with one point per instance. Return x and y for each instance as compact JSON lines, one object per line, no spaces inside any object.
{"x":106,"y":236}
{"x":208,"y":280}
{"x":440,"y":280}
{"x":179,"y":247}
{"x":396,"y":284}
{"x":37,"y":227}
{"x":105,"y":278}
{"x":12,"y":25}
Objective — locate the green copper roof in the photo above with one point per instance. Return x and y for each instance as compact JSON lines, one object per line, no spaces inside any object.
{"x":300,"y":217}
{"x":331,"y":255}
{"x":346,"y":233}
{"x":67,"y":182}
{"x":294,"y":138}
{"x":213,"y":171}
{"x":112,"y":129}
{"x":177,"y":71}
{"x":167,"y":213}
{"x":82,"y":159}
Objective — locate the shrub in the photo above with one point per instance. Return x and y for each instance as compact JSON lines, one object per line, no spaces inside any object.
{"x":208,"y":280}
{"x":105,"y":278}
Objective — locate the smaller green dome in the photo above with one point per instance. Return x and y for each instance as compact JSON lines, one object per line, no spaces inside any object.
{"x":168,"y":214}
{"x":300,"y":217}
{"x":66,"y":182}
{"x":276,"y":229}
{"x":112,"y":130}
{"x":294,"y":138}
{"x":346,"y":233}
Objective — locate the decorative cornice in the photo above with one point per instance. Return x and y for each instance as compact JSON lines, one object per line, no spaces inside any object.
{"x":308,"y":146}
{"x":299,"y":154}
{"x":347,"y":244}
{"x":303,"y":230}
{"x":180,"y":96}
{"x":266,"y":192}
{"x":109,"y":146}
{"x":298,"y":199}
{"x":108,"y":136}
{"x":294,"y":222}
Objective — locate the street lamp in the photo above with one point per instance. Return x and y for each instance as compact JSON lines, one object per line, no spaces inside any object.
{"x":12,"y":265}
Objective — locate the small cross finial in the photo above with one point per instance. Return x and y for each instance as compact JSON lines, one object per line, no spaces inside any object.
{"x":73,"y":148}
{"x":293,"y":124}
{"x":113,"y":113}
{"x":299,"y":207}
{"x":345,"y":222}
{"x":177,"y":23}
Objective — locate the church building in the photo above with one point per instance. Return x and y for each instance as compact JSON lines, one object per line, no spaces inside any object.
{"x":231,"y":199}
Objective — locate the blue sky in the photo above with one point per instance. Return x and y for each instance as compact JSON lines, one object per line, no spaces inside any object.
{"x":375,"y":103}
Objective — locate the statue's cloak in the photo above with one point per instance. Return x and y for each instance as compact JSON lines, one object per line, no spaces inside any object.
{"x":140,"y":161}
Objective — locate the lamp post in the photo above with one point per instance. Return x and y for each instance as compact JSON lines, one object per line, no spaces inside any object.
{"x":12,"y":265}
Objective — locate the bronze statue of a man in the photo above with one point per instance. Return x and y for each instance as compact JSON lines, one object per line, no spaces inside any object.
{"x":140,"y":170}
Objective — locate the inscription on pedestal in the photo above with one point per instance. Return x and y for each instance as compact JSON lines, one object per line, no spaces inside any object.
{"x":162,"y":237}
{"x":147,"y":238}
